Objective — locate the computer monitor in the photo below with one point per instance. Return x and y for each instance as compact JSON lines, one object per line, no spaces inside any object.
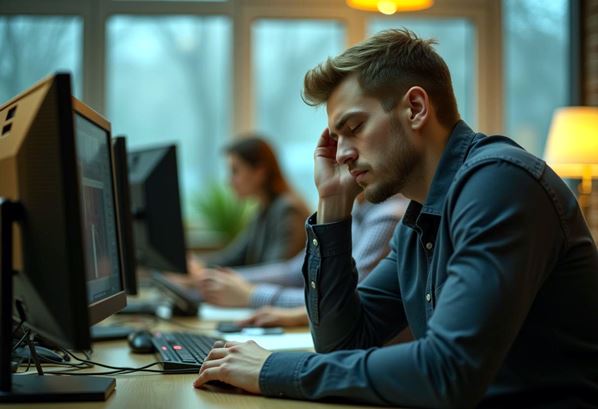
{"x":104,"y":258}
{"x":156,"y":209}
{"x":59,"y":233}
{"x":121,"y":173}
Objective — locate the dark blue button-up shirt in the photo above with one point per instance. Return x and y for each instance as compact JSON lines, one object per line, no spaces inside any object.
{"x":496,"y":275}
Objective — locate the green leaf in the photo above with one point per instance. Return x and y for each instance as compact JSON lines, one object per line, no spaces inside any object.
{"x":222,"y":211}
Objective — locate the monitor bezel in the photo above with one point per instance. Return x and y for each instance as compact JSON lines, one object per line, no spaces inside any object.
{"x":119,"y":151}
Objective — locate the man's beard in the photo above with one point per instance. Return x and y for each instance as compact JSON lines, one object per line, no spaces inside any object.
{"x":403,"y":158}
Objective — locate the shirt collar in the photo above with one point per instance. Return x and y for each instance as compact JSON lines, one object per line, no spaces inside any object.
{"x":452,"y":159}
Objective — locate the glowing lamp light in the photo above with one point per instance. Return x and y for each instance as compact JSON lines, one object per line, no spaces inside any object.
{"x":572,"y":147}
{"x":390,"y":6}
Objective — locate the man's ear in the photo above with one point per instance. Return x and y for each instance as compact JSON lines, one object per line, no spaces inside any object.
{"x":418,"y":103}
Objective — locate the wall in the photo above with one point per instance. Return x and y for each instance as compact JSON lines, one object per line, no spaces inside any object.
{"x":590,"y":64}
{"x":590,"y":83}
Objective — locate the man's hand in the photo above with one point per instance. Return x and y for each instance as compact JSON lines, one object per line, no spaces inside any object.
{"x":276,"y":317}
{"x":225,"y":287}
{"x":336,"y":187}
{"x":237,"y":364}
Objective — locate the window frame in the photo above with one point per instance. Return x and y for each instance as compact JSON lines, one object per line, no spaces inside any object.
{"x":485,"y":16}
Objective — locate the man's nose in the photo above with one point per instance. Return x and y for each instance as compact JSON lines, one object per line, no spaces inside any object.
{"x":345,"y":152}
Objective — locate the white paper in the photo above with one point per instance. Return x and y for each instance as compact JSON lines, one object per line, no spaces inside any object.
{"x":284,"y":342}
{"x":210,"y":312}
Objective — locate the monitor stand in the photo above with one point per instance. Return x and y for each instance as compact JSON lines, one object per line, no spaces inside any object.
{"x":48,"y":388}
{"x":33,"y":387}
{"x":181,"y":301}
{"x":110,"y":332}
{"x":143,"y":308}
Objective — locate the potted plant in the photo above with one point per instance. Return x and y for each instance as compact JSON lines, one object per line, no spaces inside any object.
{"x":222,"y":212}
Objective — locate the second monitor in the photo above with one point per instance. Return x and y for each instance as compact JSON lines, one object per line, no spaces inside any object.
{"x":156,"y":209}
{"x":158,"y":227}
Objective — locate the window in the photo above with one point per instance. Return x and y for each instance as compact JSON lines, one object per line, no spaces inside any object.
{"x":455,"y":45}
{"x":34,"y":47}
{"x":169,"y":80}
{"x":283,"y":51}
{"x":196,"y":72}
{"x":536,"y":68}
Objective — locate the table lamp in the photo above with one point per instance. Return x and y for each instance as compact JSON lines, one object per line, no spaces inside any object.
{"x":572,"y":148}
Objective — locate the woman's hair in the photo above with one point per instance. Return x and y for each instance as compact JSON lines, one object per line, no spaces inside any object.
{"x":387,"y":65}
{"x":255,"y":151}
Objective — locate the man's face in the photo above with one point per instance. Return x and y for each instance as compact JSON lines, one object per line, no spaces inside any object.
{"x":373,"y":143}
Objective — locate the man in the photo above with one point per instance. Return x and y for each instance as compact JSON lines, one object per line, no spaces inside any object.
{"x":492,"y":267}
{"x":281,"y":284}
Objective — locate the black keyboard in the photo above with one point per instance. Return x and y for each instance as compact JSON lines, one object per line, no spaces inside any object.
{"x":182,"y":352}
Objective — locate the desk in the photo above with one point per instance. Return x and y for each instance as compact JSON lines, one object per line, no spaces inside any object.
{"x":147,"y":390}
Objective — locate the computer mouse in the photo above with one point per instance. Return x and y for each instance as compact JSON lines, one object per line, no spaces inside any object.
{"x":140,"y":342}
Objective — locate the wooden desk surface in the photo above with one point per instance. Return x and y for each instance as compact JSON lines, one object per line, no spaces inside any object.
{"x":147,"y":390}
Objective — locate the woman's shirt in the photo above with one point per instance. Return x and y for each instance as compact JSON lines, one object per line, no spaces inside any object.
{"x":276,"y":233}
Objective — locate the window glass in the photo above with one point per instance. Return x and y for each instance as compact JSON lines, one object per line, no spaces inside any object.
{"x":34,"y":47}
{"x":456,"y":45}
{"x":169,"y":81}
{"x":536,"y":66}
{"x":283,"y":51}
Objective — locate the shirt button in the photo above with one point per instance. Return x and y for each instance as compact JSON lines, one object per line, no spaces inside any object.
{"x":313,"y":284}
{"x":428,"y":297}
{"x":429,"y":245}
{"x":315,"y":242}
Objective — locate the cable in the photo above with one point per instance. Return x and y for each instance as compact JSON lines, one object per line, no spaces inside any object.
{"x":118,"y":371}
{"x":18,"y":327}
{"x":20,"y":341}
{"x":85,"y":364}
{"x":47,"y":360}
{"x":26,"y":369}
{"x":125,"y":369}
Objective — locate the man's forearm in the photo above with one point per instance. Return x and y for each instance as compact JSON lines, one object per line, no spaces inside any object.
{"x":334,"y":307}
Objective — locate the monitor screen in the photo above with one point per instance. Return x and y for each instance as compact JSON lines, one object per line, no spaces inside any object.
{"x":102,"y":261}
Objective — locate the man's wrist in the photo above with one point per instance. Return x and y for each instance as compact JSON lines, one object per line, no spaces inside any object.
{"x":334,"y":209}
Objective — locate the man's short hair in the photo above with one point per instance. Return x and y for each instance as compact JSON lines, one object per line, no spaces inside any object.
{"x":387,"y":65}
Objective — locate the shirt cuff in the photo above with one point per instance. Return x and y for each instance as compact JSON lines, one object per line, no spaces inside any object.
{"x":329,"y":239}
{"x":279,"y":376}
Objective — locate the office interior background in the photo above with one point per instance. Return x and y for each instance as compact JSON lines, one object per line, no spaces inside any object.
{"x":201,"y":73}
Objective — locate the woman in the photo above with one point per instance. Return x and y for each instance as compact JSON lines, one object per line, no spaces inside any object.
{"x":277,"y":231}
{"x":281,"y":284}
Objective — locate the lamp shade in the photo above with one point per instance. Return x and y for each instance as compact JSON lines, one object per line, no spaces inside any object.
{"x":572,"y":146}
{"x":390,"y":6}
